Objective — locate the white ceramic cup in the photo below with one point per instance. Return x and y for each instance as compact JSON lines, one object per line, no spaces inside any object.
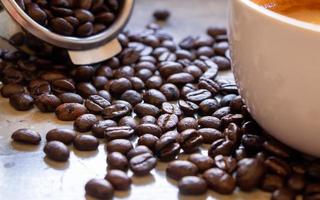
{"x":276,"y":62}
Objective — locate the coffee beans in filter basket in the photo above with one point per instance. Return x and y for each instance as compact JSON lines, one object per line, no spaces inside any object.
{"x":80,"y":18}
{"x":167,"y":97}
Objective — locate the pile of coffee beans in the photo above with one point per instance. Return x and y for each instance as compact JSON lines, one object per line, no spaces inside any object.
{"x":81,"y":18}
{"x":154,"y":101}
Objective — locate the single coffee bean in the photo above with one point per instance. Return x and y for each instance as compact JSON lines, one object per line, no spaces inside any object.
{"x":278,"y":166}
{"x":119,"y":145}
{"x":167,"y":121}
{"x":154,"y":82}
{"x":187,"y":123}
{"x":129,"y":56}
{"x":141,"y":149}
{"x":188,"y":108}
{"x":180,"y":78}
{"x":193,"y":70}
{"x":61,"y":26}
{"x":124,"y":72}
{"x":99,"y":127}
{"x":36,"y":13}
{"x":70,"y":111}
{"x":142,"y":164}
{"x":167,"y":148}
{"x":209,"y":85}
{"x":283,"y":194}
{"x":236,"y":104}
{"x":96,"y":104}
{"x":105,"y":94}
{"x":143,"y":109}
{"x":221,"y":147}
{"x":277,"y":149}
{"x":128,"y":121}
{"x":221,"y":48}
{"x":208,"y":106}
{"x":192,"y":185}
{"x":227,"y":99}
{"x":219,"y":181}
{"x":252,"y":142}
{"x":215,"y":31}
{"x":179,"y":168}
{"x":121,"y":132}
{"x":152,"y":129}
{"x":99,"y":188}
{"x":85,"y":122}
{"x":21,"y":101}
{"x":190,"y":140}
{"x":221,"y":112}
{"x":271,"y":182}
{"x":226,"y":163}
{"x":170,"y":91}
{"x":63,"y":135}
{"x":132,"y":96}
{"x":70,"y":98}
{"x":148,"y":119}
{"x":57,"y":151}
{"x":86,"y":143}
{"x":209,"y":122}
{"x":171,"y":108}
{"x":210,"y":135}
{"x":47,"y":102}
{"x":10,"y":89}
{"x":115,"y":111}
{"x":86,"y":89}
{"x":249,"y":173}
{"x":148,"y":140}
{"x":222,"y":62}
{"x":119,"y":179}
{"x":61,"y":86}
{"x":203,"y":162}
{"x":99,"y":82}
{"x":144,"y":74}
{"x":26,"y":136}
{"x":161,"y":15}
{"x":233,"y":133}
{"x":119,"y":86}
{"x":154,"y":97}
{"x":38,"y":87}
{"x":116,"y":160}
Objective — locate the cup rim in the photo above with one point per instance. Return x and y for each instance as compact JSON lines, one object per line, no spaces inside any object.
{"x":282,"y":18}
{"x":70,"y":42}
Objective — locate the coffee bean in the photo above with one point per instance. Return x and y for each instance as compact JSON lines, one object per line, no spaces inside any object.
{"x":144,"y":74}
{"x":21,"y":101}
{"x":115,"y":111}
{"x":121,"y":132}
{"x":180,"y":78}
{"x":26,"y":136}
{"x":99,"y":188}
{"x":221,"y":48}
{"x":57,"y":151}
{"x":128,"y":121}
{"x":61,"y":26}
{"x":188,"y":108}
{"x":208,"y":106}
{"x":283,"y":194}
{"x":38,"y":87}
{"x":167,"y":148}
{"x":84,"y":122}
{"x":70,"y":111}
{"x":129,"y":56}
{"x":170,"y":91}
{"x":144,"y":109}
{"x":119,"y":86}
{"x":36,"y":13}
{"x":233,"y":133}
{"x":226,"y":163}
{"x":116,"y":160}
{"x":124,"y":72}
{"x":161,"y":15}
{"x":61,"y":86}
{"x":276,"y":149}
{"x":10,"y":89}
{"x":221,"y":112}
{"x":119,"y":179}
{"x":148,"y":129}
{"x":210,"y":135}
{"x":252,"y":142}
{"x":99,"y":81}
{"x":86,"y":143}
{"x":167,"y":121}
{"x":86,"y":89}
{"x":278,"y":166}
{"x":47,"y":102}
{"x":154,"y":97}
{"x":249,"y":173}
{"x":96,"y":104}
{"x":141,"y":149}
{"x":148,"y":140}
{"x":221,"y":147}
{"x":142,"y":164}
{"x":296,"y":182}
{"x":222,"y":62}
{"x":272,"y":182}
{"x":190,"y":140}
{"x":131,"y":96}
{"x":215,"y":31}
{"x":192,"y":185}
{"x":63,"y":135}
{"x":203,"y":162}
{"x":198,"y":96}
{"x":170,"y":68}
{"x":119,"y":145}
{"x":179,"y":168}
{"x":99,"y":127}
{"x":209,"y":122}
{"x":187,"y":123}
{"x":70,"y":98}
{"x":148,"y":119}
{"x":219,"y":181}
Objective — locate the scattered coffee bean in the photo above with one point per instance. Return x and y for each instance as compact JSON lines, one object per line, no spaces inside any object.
{"x":161,"y":15}
{"x":142,"y":164}
{"x":63,"y":135}
{"x":99,"y":188}
{"x":70,"y":111}
{"x":120,"y":132}
{"x":179,"y":168}
{"x":203,"y":162}
{"x":283,"y":194}
{"x":119,"y":179}
{"x":219,"y":181}
{"x":190,"y":140}
{"x":86,"y":143}
{"x":99,"y":127}
{"x":166,"y":148}
{"x":116,"y":160}
{"x":26,"y":136}
{"x":57,"y":151}
{"x":85,"y":122}
{"x":119,"y":145}
{"x":192,"y":185}
{"x":21,"y":101}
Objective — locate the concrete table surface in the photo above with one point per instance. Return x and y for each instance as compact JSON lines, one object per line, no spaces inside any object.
{"x":25,"y":173}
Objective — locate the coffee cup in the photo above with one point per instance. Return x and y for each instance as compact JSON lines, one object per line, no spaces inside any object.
{"x":276,"y":64}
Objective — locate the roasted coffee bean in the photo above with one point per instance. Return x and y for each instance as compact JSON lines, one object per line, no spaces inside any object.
{"x":187,"y":88}
{"x":26,"y":136}
{"x":21,"y":101}
{"x":105,"y":94}
{"x":142,"y":164}
{"x":99,"y":82}
{"x":251,"y":127}
{"x":276,"y":148}
{"x":57,"y":151}
{"x":115,"y":111}
{"x":249,"y":173}
{"x":70,"y":98}
{"x":219,"y":181}
{"x":233,"y":133}
{"x":232,"y":118}
{"x":38,"y":87}
{"x":99,"y":188}
{"x":222,"y":62}
{"x":167,"y":148}
{"x":47,"y":102}
{"x":170,"y":68}
{"x":296,"y":182}
{"x":36,"y":13}
{"x":99,"y":127}
{"x":171,"y":108}
{"x":148,"y":119}
{"x":63,"y":135}
{"x":190,"y":140}
{"x":221,"y":147}
{"x":227,"y":164}
{"x":278,"y":166}
{"x":192,"y":185}
{"x":128,"y":121}
{"x":227,"y":99}
{"x":116,"y":160}
{"x":188,"y":107}
{"x":221,"y":112}
{"x":62,"y":86}
{"x":85,"y":122}
{"x":148,"y":129}
{"x":86,"y":89}
{"x":129,"y":56}
{"x":203,"y":162}
{"x":221,"y":48}
{"x":208,"y":106}
{"x":209,"y":85}
{"x":283,"y":194}
{"x":252,"y":142}
{"x":70,"y":111}
{"x":167,"y":121}
{"x":154,"y":97}
{"x":124,"y":72}
{"x":96,"y":104}
{"x":272,"y":182}
{"x":86,"y":143}
{"x":85,"y":30}
{"x":215,"y":31}
{"x":187,"y":123}
{"x":131,"y":96}
{"x":210,"y":135}
{"x":61,"y":26}
{"x":180,"y":78}
{"x":119,"y":145}
{"x":119,"y":179}
{"x":180,"y":168}
{"x":170,"y":91}
{"x":193,"y":70}
{"x":236,"y":104}
{"x":144,"y":74}
{"x":211,"y":73}
{"x":161,"y":14}
{"x":148,"y":140}
{"x":209,"y":122}
{"x":154,"y":82}
{"x":144,"y":109}
{"x":119,"y":86}
{"x":10,"y":89}
{"x":198,"y":95}
{"x":228,"y":88}
{"x":105,"y":71}
{"x":121,"y":132}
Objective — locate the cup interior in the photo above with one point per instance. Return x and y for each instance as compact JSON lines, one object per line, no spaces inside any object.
{"x":284,"y":4}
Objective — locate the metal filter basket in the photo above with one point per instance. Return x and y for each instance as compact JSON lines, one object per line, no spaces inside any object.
{"x":81,"y":51}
